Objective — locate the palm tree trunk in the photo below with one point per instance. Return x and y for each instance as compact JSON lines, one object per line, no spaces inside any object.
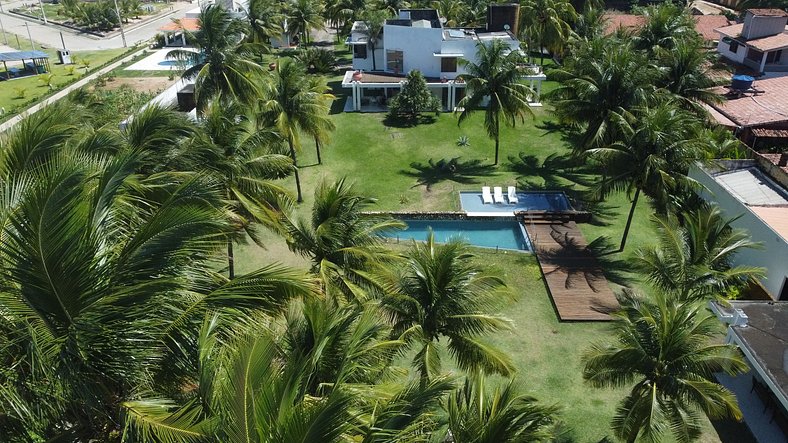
{"x":374,"y":66}
{"x":497,"y":137}
{"x":496,"y":150}
{"x":317,"y":148}
{"x":629,"y":220}
{"x":541,"y":51}
{"x":230,"y":259}
{"x":295,"y":170}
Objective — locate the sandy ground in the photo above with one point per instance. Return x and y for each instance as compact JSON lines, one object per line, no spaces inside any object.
{"x":142,"y":84}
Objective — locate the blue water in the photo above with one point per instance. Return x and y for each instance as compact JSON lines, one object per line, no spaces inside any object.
{"x":487,"y":234}
{"x":527,"y":201}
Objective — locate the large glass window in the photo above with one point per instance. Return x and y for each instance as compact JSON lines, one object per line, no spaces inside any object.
{"x":394,"y":61}
{"x":449,"y":64}
{"x":774,"y":56}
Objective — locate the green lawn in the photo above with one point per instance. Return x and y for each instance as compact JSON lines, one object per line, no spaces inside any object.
{"x":18,"y":94}
{"x":389,"y":163}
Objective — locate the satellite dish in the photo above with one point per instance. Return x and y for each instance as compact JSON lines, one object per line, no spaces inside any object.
{"x":506,"y":27}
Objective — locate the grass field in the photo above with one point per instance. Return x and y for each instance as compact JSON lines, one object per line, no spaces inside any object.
{"x":19,"y":93}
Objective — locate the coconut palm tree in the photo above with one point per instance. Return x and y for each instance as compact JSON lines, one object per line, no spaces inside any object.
{"x":222,"y":68}
{"x":304,"y":16}
{"x":547,"y":23}
{"x":665,"y":26}
{"x":693,"y":258}
{"x":602,"y":77}
{"x":451,"y":10}
{"x":343,"y":244}
{"x":655,"y":148}
{"x":266,"y":20}
{"x":495,"y":78}
{"x":668,"y":352}
{"x":441,"y":293}
{"x":374,"y":20}
{"x":292,"y":104}
{"x":229,"y":146}
{"x":322,"y":92}
{"x":501,"y":415}
{"x":685,"y":72}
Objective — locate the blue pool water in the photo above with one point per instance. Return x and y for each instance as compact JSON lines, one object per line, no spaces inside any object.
{"x":527,"y":201}
{"x":503,"y":234}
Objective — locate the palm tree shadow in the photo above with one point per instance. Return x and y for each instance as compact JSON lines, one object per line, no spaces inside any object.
{"x":409,"y":122}
{"x":338,"y":105}
{"x":462,"y":172}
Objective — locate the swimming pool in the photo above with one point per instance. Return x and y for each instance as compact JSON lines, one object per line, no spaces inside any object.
{"x":503,"y":234}
{"x":472,"y":202}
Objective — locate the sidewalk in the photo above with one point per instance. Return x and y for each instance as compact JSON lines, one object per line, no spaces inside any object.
{"x":62,"y":93}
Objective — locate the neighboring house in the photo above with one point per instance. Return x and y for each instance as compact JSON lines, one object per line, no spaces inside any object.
{"x":759,"y":42}
{"x":757,"y":115}
{"x":755,"y":191}
{"x":705,"y":25}
{"x":760,"y":330}
{"x":417,"y":39}
{"x":179,"y":96}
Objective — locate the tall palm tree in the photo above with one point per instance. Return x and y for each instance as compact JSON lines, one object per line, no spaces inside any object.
{"x":222,"y":68}
{"x":374,"y":20}
{"x":668,"y":351}
{"x":343,"y":244}
{"x":502,"y":415}
{"x":266,"y":20}
{"x":304,"y":16}
{"x":293,"y":106}
{"x":322,"y":92}
{"x":602,"y":77}
{"x":548,"y":23}
{"x":655,"y":148}
{"x":685,"y":71}
{"x":441,"y":293}
{"x":666,"y":25}
{"x":693,"y":258}
{"x":229,"y":146}
{"x":495,"y":78}
{"x":451,"y":10}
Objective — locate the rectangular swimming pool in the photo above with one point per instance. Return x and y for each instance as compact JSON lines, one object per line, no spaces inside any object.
{"x":472,"y":202}
{"x":503,"y":234}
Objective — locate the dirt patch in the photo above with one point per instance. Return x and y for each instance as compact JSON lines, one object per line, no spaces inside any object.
{"x":142,"y":84}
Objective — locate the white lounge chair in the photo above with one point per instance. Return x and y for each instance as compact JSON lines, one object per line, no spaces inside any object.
{"x":498,"y":195}
{"x":486,"y":195}
{"x":512,"y":195}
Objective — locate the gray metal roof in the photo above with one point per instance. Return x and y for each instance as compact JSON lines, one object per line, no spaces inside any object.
{"x":21,"y":55}
{"x":752,"y":187}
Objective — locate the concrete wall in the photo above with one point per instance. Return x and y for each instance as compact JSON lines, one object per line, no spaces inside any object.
{"x":417,"y":45}
{"x":757,"y":27}
{"x":774,"y":254}
{"x":738,"y":56}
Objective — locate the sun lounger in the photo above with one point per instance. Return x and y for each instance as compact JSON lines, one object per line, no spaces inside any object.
{"x":512,"y":195}
{"x":498,"y":195}
{"x":486,"y":195}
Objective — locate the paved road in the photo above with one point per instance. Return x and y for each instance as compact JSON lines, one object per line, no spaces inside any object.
{"x":75,"y":41}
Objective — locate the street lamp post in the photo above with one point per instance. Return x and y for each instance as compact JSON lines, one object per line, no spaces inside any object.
{"x":5,"y":37}
{"x":43,"y":13}
{"x":32,"y":45}
{"x":120,"y":23}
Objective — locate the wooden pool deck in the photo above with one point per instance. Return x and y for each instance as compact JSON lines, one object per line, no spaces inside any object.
{"x":574,"y":278}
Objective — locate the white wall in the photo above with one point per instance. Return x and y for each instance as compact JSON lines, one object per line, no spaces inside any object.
{"x":774,"y":255}
{"x":417,"y":45}
{"x":724,"y":50}
{"x":761,"y":26}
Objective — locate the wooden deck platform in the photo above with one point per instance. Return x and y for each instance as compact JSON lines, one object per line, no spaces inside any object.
{"x":576,"y":283}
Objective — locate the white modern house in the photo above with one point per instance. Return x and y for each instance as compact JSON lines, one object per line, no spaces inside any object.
{"x":417,"y":39}
{"x":755,"y":191}
{"x":759,"y":42}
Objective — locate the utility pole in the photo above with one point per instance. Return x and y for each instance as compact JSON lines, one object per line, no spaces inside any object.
{"x":120,"y":23}
{"x":5,"y":37}
{"x":43,"y":13}
{"x":32,"y":45}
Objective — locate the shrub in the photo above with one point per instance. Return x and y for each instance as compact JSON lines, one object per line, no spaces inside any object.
{"x":20,"y":93}
{"x":70,"y":69}
{"x":47,"y":80}
{"x":414,"y":99}
{"x":463,"y":141}
{"x":317,"y":61}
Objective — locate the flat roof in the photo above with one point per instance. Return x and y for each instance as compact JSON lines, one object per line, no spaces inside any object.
{"x":765,"y":107}
{"x":182,"y":24}
{"x":766,"y":339}
{"x":752,"y":187}
{"x":765,"y":12}
{"x":21,"y":55}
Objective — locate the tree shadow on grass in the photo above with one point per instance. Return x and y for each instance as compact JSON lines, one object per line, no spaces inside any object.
{"x":338,"y":105}
{"x":433,"y":172}
{"x":409,"y":122}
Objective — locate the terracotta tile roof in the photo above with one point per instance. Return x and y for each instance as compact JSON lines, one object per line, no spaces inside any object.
{"x":718,"y":117}
{"x":770,"y":43}
{"x":731,"y":31}
{"x":773,"y":158}
{"x":624,"y":21}
{"x":188,"y":24}
{"x":768,"y":107}
{"x":768,"y":12}
{"x":706,"y":25}
{"x":774,"y":216}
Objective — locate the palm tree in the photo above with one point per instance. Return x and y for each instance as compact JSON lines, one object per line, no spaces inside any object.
{"x":549,"y":22}
{"x":229,"y":146}
{"x":451,"y":10}
{"x":443,"y":294}
{"x":222,"y":68}
{"x":322,"y":92}
{"x":374,"y":20}
{"x":670,"y":351}
{"x":601,"y":78}
{"x":666,"y":25}
{"x":292,"y":105}
{"x":685,"y":72}
{"x":502,"y":415}
{"x":391,"y":7}
{"x":693,"y":258}
{"x":343,"y":244}
{"x":495,"y":78}
{"x":304,"y":16}
{"x":266,"y":20}
{"x":656,"y":147}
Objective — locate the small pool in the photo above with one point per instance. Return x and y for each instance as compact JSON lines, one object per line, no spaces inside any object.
{"x":503,"y":234}
{"x":472,"y":202}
